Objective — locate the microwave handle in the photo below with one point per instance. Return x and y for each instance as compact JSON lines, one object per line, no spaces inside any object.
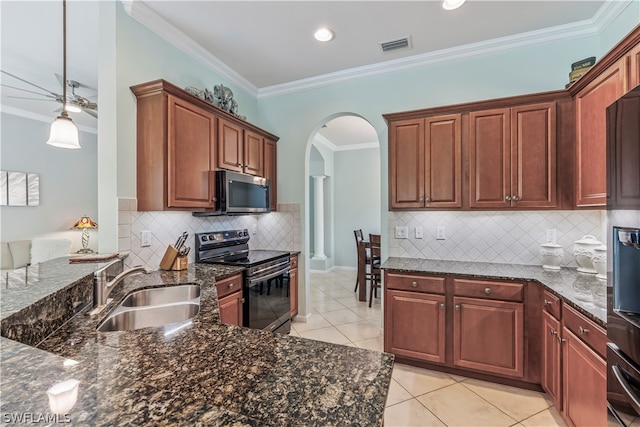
{"x":626,"y":382}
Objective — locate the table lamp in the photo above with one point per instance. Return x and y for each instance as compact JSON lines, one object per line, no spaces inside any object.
{"x":84,"y":224}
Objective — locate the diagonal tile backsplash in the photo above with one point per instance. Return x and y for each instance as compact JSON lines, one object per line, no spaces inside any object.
{"x":502,"y":236}
{"x":277,"y":230}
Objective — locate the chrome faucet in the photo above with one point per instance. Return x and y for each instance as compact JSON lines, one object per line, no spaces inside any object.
{"x":103,"y":284}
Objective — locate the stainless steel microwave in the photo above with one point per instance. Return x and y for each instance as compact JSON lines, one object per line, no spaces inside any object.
{"x":239,"y":194}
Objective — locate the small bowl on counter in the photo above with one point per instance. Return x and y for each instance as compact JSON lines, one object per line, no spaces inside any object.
{"x":552,"y":255}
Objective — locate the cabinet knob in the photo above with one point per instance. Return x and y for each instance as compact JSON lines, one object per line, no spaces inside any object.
{"x":487,"y":291}
{"x":582,"y":330}
{"x":215,"y":199}
{"x":515,"y":198}
{"x":546,"y":303}
{"x":414,"y":284}
{"x":442,"y":306}
{"x":508,"y":198}
{"x":427,"y":200}
{"x":421,"y":199}
{"x":457,"y":307}
{"x":230,"y":285}
{"x":560,"y":340}
{"x":552,"y":332}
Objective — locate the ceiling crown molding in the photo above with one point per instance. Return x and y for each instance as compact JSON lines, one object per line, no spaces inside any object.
{"x":333,"y":147}
{"x":144,"y":15}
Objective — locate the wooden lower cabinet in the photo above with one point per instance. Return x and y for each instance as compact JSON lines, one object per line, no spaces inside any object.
{"x":551,"y":359}
{"x":414,"y":325}
{"x":293,"y":285}
{"x":231,"y":309}
{"x":488,"y":335}
{"x":585,"y":383}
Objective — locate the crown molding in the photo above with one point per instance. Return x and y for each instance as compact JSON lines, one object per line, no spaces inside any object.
{"x":42,"y":118}
{"x":333,"y":147}
{"x":604,"y":17}
{"x":144,"y":15}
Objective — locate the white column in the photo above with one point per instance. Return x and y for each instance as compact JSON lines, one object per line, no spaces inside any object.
{"x":318,"y":217}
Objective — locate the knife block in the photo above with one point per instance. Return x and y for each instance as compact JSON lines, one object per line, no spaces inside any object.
{"x":169,"y":258}
{"x":180,"y":263}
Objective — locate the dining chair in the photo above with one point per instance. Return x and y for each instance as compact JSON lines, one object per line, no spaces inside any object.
{"x":374,"y":266}
{"x":363,"y":258}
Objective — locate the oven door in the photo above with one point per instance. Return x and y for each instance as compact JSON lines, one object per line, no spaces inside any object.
{"x":266,"y":304}
{"x":623,"y":382}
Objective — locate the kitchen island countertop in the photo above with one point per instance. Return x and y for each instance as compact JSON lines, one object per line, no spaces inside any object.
{"x":567,"y":282}
{"x":194,"y":373}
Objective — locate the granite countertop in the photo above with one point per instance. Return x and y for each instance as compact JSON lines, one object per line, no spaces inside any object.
{"x":575,"y":288}
{"x":200,"y":373}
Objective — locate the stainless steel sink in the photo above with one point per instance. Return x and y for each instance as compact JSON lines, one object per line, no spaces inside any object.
{"x":126,"y":319}
{"x":158,"y":296}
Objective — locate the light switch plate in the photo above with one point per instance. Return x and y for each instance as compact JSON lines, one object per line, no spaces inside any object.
{"x":552,"y":235}
{"x":441,"y":233}
{"x":419,"y":232}
{"x":402,"y":232}
{"x":254,"y":229}
{"x":145,"y":238}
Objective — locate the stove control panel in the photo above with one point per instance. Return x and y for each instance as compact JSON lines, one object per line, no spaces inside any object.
{"x":222,"y":238}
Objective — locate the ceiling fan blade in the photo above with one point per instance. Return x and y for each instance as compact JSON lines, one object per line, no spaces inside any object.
{"x":31,"y":99}
{"x":30,"y":91}
{"x":90,"y":112}
{"x":28,"y":82}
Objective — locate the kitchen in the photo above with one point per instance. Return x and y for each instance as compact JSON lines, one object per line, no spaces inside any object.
{"x":284,"y":116}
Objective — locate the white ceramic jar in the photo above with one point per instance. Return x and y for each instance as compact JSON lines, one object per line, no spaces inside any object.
{"x":583,"y":250}
{"x":552,"y":255}
{"x":599,"y":261}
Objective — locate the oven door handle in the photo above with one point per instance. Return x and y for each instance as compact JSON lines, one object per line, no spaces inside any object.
{"x":627,"y":382}
{"x":253,"y":280}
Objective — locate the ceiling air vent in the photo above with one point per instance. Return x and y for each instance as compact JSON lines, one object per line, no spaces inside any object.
{"x":401,"y":43}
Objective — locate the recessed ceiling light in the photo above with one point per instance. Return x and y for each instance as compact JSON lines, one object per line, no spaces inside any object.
{"x":452,"y":4}
{"x":323,"y":35}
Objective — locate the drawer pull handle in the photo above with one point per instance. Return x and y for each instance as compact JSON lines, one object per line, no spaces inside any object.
{"x":582,"y":330}
{"x":560,"y":340}
{"x":414,"y":284}
{"x":457,"y":307}
{"x":487,"y":291}
{"x":546,"y":303}
{"x":552,"y":332}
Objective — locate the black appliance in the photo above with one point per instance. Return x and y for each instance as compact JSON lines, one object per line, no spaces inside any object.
{"x":266,"y":277}
{"x":239,"y":194}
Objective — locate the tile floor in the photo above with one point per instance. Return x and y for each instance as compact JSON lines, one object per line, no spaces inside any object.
{"x":417,"y":397}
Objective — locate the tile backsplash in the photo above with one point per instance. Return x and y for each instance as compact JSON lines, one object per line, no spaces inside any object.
{"x":277,"y":230}
{"x":504,"y":237}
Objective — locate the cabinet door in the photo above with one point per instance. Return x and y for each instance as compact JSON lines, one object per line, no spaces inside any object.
{"x":406,"y":164}
{"x":591,"y":103}
{"x":584,"y":383}
{"x":443,"y":163}
{"x":533,"y":156}
{"x":271,"y":172}
{"x":488,"y":336}
{"x":623,"y":153}
{"x":414,"y":325}
{"x":230,"y":146}
{"x":231,"y":309}
{"x":293,"y":291}
{"x":253,"y":154}
{"x":191,"y":155}
{"x":634,"y":67}
{"x":489,"y":159}
{"x":551,"y":368}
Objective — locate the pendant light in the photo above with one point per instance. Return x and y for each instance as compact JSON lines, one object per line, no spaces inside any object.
{"x":64,"y":133}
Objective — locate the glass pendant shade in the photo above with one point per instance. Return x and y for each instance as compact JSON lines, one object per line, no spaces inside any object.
{"x":452,"y":4}
{"x":64,"y":133}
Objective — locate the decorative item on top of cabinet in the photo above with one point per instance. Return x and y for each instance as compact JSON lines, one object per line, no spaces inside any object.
{"x":512,"y":157}
{"x":293,"y":285}
{"x":230,"y":300}
{"x":425,"y":158}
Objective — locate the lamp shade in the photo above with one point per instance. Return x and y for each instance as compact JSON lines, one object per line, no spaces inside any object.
{"x":84,"y":222}
{"x":64,"y":133}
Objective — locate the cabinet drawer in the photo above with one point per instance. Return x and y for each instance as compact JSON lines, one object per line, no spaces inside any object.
{"x":229,"y":285}
{"x":492,"y":290}
{"x":593,"y":335}
{"x":551,"y":304}
{"x":429,"y":284}
{"x":293,"y":260}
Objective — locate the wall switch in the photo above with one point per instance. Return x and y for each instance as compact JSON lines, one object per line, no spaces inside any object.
{"x":440,"y":233}
{"x":552,"y":235}
{"x":402,"y":232}
{"x":419,"y":232}
{"x":145,"y":238}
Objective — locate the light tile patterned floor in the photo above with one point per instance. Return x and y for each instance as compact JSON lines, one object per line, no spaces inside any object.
{"x":417,"y":397}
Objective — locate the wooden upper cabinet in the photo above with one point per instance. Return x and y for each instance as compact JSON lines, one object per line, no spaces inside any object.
{"x":426,"y":163}
{"x":634,"y":67}
{"x":191,"y":155}
{"x":489,"y":158}
{"x":590,"y":106}
{"x":230,"y":146}
{"x":253,"y":154}
{"x":271,"y":172}
{"x":512,"y":157}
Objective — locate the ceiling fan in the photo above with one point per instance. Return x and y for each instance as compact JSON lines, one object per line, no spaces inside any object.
{"x":75,"y":102}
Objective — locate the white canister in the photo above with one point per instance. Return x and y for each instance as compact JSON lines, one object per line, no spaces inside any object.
{"x":552,"y":255}
{"x":583,"y":252}
{"x":599,"y":261}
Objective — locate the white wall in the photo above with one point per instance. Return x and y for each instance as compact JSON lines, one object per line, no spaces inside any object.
{"x":68,"y":181}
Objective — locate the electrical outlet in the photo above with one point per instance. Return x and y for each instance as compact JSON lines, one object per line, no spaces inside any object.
{"x":145,"y":238}
{"x":552,"y":235}
{"x":402,"y":232}
{"x":254,"y":229}
{"x":419,"y":232}
{"x":440,"y":233}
